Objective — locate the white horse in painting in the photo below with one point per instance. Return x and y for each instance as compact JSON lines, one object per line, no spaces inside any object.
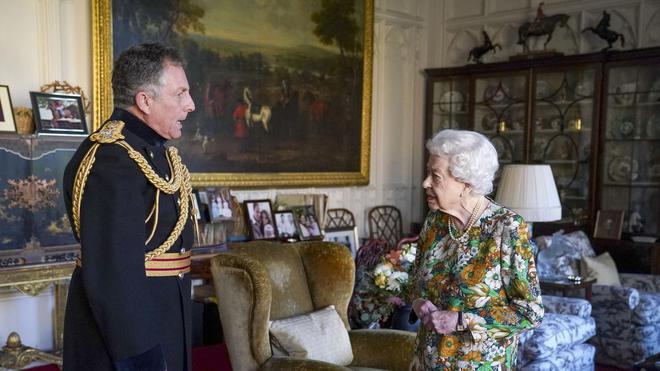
{"x":263,"y":116}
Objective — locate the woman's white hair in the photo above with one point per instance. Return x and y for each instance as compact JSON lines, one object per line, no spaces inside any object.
{"x":472,"y":157}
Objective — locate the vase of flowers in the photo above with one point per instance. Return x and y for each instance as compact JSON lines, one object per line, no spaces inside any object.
{"x":391,"y":279}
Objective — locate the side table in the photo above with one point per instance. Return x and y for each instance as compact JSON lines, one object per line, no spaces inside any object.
{"x":564,"y":285}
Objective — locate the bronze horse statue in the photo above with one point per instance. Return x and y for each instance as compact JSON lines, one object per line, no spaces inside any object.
{"x":545,"y":26}
{"x":478,"y":51}
{"x":603,"y":31}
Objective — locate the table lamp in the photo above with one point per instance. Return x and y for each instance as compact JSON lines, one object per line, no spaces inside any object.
{"x":530,"y":191}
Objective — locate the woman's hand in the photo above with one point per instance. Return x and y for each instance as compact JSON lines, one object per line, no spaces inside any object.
{"x":423,"y":307}
{"x":441,"y":321}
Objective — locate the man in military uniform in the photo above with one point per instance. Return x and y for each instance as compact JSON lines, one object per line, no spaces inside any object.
{"x":128,"y":200}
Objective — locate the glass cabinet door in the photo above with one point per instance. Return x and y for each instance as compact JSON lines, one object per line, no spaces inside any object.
{"x":500,"y":112}
{"x":450,"y":105}
{"x":630,"y":174}
{"x":561,"y":127}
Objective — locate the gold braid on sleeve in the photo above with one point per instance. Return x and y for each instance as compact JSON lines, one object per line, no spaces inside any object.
{"x":111,"y":133}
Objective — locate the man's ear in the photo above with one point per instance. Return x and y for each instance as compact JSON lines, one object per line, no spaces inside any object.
{"x":143,"y":102}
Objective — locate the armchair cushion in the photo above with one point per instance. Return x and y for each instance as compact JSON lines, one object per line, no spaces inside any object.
{"x":647,"y":312}
{"x":556,"y":333}
{"x":561,"y":305}
{"x":579,"y":357}
{"x":383,"y":348}
{"x":604,"y":297}
{"x":602,"y":268}
{"x":319,"y":335}
{"x":560,"y":256}
{"x":287,"y":363}
{"x":642,"y":282}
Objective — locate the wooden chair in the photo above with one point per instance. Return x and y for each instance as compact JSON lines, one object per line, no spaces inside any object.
{"x":385,"y":224}
{"x":339,"y":218}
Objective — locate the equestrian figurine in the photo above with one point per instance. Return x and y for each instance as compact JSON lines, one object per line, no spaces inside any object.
{"x":478,"y":51}
{"x":603,"y":31}
{"x":541,"y":26}
{"x":540,"y":15}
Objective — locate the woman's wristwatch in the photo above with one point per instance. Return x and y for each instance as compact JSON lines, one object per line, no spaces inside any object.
{"x":459,"y":325}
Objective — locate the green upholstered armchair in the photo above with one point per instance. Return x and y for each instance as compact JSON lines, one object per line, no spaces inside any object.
{"x":261,"y":281}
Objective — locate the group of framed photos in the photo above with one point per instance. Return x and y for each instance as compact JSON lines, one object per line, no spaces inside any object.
{"x":53,"y":113}
{"x":263,"y":223}
{"x":298,"y":223}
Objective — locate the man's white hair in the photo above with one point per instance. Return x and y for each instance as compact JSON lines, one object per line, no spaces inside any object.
{"x":472,"y":157}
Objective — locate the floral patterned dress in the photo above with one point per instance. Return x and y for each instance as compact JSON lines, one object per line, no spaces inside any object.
{"x":491,"y":279}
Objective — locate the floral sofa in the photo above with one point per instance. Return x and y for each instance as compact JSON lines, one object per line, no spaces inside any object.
{"x":559,"y":343}
{"x":627,"y":316}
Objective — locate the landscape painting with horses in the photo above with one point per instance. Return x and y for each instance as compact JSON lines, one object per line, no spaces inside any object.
{"x":278,"y":85}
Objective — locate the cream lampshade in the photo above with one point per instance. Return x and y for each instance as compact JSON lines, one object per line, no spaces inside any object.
{"x":530,"y":191}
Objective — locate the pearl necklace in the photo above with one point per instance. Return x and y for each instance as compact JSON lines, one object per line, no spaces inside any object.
{"x":473,"y":219}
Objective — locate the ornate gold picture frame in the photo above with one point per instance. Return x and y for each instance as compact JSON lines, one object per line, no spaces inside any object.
{"x":313,"y":77}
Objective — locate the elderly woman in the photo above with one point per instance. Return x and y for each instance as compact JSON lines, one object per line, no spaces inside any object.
{"x":474,"y":281}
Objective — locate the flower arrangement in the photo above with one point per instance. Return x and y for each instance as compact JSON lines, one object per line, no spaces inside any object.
{"x":382,"y":282}
{"x":391,"y":276}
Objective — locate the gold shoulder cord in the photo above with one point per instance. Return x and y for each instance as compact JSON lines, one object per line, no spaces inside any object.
{"x":111,"y":133}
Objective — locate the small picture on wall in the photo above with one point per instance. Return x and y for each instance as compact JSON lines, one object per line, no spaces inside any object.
{"x":285,"y":223}
{"x":260,"y":219}
{"x":345,"y":236}
{"x":58,"y":114}
{"x":308,"y":227}
{"x":7,"y":122}
{"x":609,"y":224}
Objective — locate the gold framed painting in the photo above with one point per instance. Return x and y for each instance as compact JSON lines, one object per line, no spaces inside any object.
{"x":283,"y":97}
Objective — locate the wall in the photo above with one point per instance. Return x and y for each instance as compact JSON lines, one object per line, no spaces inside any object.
{"x":46,"y":40}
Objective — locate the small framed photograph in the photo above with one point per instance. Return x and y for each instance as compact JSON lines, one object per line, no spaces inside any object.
{"x":7,"y":122}
{"x":219,"y":201}
{"x":260,"y":219}
{"x":58,"y":114}
{"x":609,"y":224}
{"x":286,"y":225}
{"x":345,"y":236}
{"x":306,"y":223}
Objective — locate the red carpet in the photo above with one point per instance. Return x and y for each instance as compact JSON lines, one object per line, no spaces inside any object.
{"x":211,"y":358}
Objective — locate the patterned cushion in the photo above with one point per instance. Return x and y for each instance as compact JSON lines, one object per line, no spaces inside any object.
{"x":615,"y":319}
{"x":648,"y":310}
{"x":561,"y":305}
{"x":579,"y":357}
{"x":607,"y":296}
{"x":557,"y":332}
{"x":561,"y":257}
{"x":560,"y":254}
{"x":623,"y":351}
{"x":580,"y":242}
{"x":642,"y":282}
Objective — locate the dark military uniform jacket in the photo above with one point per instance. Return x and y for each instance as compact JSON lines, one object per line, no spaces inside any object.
{"x":117,"y":317}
